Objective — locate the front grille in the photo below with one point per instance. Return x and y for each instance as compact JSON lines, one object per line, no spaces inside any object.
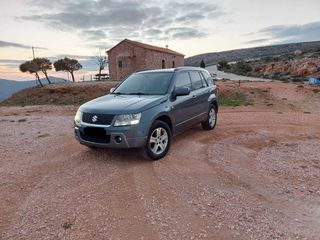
{"x":97,"y":135}
{"x":102,"y":119}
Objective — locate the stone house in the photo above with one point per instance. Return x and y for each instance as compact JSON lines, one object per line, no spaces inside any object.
{"x":129,"y":56}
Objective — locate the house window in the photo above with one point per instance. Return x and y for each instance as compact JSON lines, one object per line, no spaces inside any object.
{"x":173,"y":64}
{"x":120,"y":64}
{"x":163,"y":64}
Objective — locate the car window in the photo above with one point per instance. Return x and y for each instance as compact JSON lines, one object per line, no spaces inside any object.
{"x":203,"y":80}
{"x":183,"y":80}
{"x":196,"y":80}
{"x":208,"y":78}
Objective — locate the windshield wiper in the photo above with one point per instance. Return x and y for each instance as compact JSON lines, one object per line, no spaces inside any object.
{"x":139,"y":93}
{"x":118,"y":93}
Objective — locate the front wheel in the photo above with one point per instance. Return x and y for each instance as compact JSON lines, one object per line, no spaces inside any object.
{"x":159,"y":140}
{"x":211,"y":121}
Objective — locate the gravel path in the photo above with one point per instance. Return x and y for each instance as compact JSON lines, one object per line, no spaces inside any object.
{"x":224,"y":75}
{"x":257,"y":176}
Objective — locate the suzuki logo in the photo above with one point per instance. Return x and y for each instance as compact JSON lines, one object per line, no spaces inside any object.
{"x":94,"y":118}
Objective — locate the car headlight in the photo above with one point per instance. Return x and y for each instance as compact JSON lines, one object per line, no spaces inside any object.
{"x":127,"y":119}
{"x":77,"y":118}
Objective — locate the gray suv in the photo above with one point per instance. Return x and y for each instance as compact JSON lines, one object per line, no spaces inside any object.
{"x":147,"y":109}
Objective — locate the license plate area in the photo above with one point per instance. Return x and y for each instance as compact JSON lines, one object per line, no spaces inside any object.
{"x":95,"y":135}
{"x":95,"y":132}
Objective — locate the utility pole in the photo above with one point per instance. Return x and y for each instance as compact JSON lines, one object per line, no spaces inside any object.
{"x":33,"y":52}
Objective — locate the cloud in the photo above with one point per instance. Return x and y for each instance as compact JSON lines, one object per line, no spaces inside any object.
{"x":78,"y":57}
{"x":100,"y":45}
{"x":4,"y":44}
{"x":95,"y":34}
{"x":185,"y":32}
{"x":258,"y":41}
{"x":288,"y":33}
{"x":305,"y":32}
{"x":11,"y":63}
{"x":190,"y":18}
{"x":111,"y":20}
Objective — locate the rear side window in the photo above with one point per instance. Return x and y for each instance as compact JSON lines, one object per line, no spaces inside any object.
{"x":197,"y":81}
{"x":208,"y":78}
{"x":203,"y":80}
{"x":183,"y":80}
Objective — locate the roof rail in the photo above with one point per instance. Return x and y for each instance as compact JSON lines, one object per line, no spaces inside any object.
{"x":141,"y":70}
{"x":186,"y":67}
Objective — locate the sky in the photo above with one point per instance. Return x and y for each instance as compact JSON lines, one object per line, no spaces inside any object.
{"x":86,"y":28}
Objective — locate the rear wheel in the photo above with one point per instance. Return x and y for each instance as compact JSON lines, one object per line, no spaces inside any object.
{"x":159,"y":140}
{"x":211,"y":121}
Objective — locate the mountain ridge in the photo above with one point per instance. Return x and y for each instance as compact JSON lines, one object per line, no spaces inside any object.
{"x":9,"y":87}
{"x":212,"y":58}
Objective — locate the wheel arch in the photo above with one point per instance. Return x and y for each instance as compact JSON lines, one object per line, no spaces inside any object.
{"x":215,"y":104}
{"x":165,"y":118}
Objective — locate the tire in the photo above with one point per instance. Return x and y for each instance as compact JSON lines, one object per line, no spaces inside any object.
{"x":159,"y":140}
{"x":211,"y":121}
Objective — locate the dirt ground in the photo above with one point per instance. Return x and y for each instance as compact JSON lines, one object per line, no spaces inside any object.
{"x":256,"y":176}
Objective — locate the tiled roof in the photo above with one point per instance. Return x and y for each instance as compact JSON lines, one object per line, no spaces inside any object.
{"x":147,"y":46}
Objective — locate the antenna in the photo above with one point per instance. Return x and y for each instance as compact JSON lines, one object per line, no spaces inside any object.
{"x":33,"y":52}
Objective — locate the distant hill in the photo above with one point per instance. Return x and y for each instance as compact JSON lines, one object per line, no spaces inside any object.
{"x":60,"y":94}
{"x":251,"y":53}
{"x":9,"y":87}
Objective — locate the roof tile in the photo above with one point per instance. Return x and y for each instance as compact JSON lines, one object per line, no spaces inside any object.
{"x":151,"y":47}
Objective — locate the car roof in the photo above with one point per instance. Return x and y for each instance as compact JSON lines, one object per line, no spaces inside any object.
{"x":170,"y":69}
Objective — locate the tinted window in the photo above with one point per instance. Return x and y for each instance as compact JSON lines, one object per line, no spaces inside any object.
{"x":203,"y":80}
{"x":208,"y":78}
{"x":196,"y":80}
{"x":152,"y":83}
{"x":183,"y":80}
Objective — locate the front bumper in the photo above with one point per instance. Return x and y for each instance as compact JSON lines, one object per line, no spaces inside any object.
{"x":115,"y":137}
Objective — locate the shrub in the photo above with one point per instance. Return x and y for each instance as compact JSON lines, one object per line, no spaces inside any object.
{"x":223,"y":65}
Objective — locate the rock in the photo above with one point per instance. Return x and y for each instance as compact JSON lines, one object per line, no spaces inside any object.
{"x":301,"y":67}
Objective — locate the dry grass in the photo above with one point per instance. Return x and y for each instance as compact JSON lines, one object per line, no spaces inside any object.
{"x":60,"y":94}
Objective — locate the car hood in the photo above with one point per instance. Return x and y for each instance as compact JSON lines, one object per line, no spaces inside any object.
{"x":122,"y":104}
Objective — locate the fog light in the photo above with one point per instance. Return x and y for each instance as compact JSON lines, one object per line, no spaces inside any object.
{"x":118,"y":139}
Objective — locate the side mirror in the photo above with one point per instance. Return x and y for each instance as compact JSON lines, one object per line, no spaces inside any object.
{"x":112,"y":89}
{"x":182,"y":91}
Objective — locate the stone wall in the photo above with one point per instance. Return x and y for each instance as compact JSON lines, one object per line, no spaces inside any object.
{"x":131,"y":56}
{"x":154,"y":60}
{"x":135,"y":58}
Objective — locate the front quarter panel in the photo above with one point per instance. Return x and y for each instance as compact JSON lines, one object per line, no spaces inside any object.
{"x":153,"y":113}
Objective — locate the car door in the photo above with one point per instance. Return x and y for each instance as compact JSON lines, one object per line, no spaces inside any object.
{"x":200,"y":93}
{"x":182,"y":106}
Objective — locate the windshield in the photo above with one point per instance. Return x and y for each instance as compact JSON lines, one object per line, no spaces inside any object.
{"x":152,"y":83}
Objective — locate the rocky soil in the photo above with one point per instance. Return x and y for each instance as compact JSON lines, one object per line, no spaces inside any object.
{"x":302,"y":67}
{"x":256,"y":176}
